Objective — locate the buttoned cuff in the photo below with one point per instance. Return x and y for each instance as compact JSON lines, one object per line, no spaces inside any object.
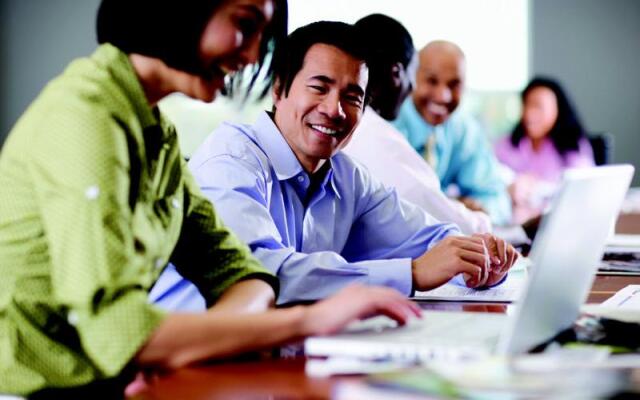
{"x":395,"y":273}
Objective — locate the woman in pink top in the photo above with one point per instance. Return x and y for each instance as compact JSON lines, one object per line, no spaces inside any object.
{"x":548,"y":139}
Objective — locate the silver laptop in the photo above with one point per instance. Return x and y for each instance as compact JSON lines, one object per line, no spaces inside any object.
{"x":565,"y":256}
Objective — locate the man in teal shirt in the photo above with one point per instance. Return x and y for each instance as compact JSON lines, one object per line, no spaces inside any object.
{"x":452,"y":142}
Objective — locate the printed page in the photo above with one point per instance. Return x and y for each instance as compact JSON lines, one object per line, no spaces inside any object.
{"x":623,"y":306}
{"x":623,"y":243}
{"x":626,"y":298}
{"x":507,"y":292}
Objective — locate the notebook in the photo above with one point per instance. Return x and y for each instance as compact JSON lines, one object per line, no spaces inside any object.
{"x":507,"y":292}
{"x":565,"y":255}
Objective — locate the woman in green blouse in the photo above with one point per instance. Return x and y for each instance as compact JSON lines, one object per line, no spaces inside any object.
{"x":96,"y":200}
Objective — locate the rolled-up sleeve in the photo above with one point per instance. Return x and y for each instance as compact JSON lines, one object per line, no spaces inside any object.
{"x":99,"y":282}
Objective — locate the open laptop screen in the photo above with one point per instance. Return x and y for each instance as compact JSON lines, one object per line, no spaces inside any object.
{"x":566,"y":253}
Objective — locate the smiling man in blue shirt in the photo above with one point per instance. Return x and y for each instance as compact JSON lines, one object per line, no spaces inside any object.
{"x":309,"y":213}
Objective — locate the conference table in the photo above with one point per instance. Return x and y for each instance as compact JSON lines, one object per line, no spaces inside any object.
{"x":270,"y":377}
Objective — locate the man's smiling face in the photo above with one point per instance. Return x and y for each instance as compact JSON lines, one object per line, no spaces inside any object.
{"x":323,"y":106}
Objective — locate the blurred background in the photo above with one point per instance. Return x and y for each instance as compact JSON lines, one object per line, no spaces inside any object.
{"x":591,"y":46}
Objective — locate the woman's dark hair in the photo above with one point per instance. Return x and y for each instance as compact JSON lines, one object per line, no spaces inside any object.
{"x":171,"y":31}
{"x":288,"y":58}
{"x":567,"y":130}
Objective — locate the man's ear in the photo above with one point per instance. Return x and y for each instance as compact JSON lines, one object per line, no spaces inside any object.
{"x":397,"y":69}
{"x":276,"y":92}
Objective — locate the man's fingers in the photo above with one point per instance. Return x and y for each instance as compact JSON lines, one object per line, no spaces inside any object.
{"x":491,"y":243}
{"x":479,"y":259}
{"x":513,"y":256}
{"x":476,"y":245}
{"x":474,"y":272}
{"x":505,"y":252}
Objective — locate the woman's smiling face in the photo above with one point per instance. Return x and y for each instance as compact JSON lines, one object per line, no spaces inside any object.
{"x":230,"y":40}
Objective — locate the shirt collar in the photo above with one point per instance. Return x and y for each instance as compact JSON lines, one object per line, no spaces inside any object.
{"x":271,"y":141}
{"x":282,"y":158}
{"x":415,"y":118}
{"x":331,"y":176}
{"x":415,"y":128}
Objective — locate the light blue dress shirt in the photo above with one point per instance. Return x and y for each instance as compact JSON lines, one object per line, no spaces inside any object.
{"x":464,"y":158}
{"x":353,"y":229}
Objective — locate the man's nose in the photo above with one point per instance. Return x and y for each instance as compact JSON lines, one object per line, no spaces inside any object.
{"x":331,"y":106}
{"x":442,"y":94}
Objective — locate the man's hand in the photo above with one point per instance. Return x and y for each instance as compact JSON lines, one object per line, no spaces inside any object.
{"x":356,"y":302}
{"x":452,"y":256}
{"x":502,"y":256}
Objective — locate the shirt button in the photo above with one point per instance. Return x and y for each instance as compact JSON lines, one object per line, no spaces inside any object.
{"x":300,"y":178}
{"x":159,"y":263}
{"x":72,"y":318}
{"x":175,"y":203}
{"x":92,"y":192}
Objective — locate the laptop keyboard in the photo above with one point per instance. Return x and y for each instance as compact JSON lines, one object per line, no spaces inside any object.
{"x":437,"y":336}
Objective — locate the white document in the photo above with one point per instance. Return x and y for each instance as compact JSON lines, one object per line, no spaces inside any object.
{"x":337,"y":365}
{"x":623,"y":306}
{"x":626,"y":298}
{"x":623,"y":243}
{"x":507,"y":292}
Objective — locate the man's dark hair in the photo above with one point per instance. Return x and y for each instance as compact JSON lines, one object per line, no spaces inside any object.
{"x":388,"y":40}
{"x":171,"y":31}
{"x":388,"y":44}
{"x":567,"y":130}
{"x":288,"y":58}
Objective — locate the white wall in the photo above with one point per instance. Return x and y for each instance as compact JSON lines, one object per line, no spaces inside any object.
{"x":593,"y":48}
{"x":38,"y":38}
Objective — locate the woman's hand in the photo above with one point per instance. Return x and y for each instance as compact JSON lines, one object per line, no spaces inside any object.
{"x":353,"y":303}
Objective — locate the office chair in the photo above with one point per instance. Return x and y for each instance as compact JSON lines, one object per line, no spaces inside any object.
{"x":602,"y":145}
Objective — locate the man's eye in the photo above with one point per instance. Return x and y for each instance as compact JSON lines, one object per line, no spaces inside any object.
{"x":355,"y":100}
{"x":317,"y":89}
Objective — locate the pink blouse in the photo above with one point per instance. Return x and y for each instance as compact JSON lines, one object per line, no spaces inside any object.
{"x":538,"y":173}
{"x":546,"y":163}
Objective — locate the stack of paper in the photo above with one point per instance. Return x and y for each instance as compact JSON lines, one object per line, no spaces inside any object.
{"x":623,"y":306}
{"x":507,"y":292}
{"x":621,"y":256}
{"x":623,"y":243}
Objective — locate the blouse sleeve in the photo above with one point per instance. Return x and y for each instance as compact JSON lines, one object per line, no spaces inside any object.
{"x":79,"y":164}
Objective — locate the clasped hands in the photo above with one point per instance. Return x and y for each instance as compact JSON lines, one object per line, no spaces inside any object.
{"x":483,"y":259}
